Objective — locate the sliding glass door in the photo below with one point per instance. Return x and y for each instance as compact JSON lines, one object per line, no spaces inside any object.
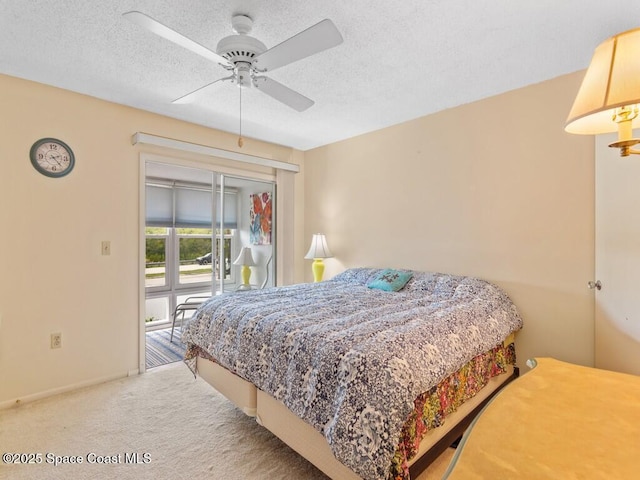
{"x":254,"y":241}
{"x":192,"y":251}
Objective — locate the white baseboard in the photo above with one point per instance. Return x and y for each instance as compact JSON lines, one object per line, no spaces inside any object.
{"x":67,"y":388}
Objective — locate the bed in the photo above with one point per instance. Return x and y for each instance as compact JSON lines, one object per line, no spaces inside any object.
{"x":562,"y":421}
{"x":362,"y":381}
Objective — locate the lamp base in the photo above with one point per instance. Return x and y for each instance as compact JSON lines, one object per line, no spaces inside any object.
{"x":245,"y":273}
{"x":317,"y":267}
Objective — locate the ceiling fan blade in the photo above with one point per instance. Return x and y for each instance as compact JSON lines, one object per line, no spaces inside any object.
{"x":315,"y":39}
{"x":192,"y":96}
{"x":167,"y":33}
{"x":283,"y":94}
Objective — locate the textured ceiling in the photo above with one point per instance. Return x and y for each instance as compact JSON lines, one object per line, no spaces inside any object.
{"x":400,"y":59}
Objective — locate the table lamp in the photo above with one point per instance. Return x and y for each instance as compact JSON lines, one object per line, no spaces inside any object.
{"x":609,"y":97}
{"x":317,"y":252}
{"x":246,"y":260}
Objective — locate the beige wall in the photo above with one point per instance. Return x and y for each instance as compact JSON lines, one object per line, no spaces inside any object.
{"x":494,"y":189}
{"x":53,"y":277}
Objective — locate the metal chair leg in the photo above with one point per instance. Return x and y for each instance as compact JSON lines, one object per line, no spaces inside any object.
{"x":192,"y":303}
{"x":173,"y":325}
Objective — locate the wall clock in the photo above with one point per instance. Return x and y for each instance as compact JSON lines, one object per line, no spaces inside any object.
{"x":52,"y":157}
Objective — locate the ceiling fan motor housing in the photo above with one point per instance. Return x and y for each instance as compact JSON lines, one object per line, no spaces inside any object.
{"x":241,"y":47}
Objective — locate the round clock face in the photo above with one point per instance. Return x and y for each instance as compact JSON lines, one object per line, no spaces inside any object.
{"x":52,"y":157}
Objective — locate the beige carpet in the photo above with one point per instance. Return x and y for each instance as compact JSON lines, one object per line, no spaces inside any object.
{"x":161,"y":425}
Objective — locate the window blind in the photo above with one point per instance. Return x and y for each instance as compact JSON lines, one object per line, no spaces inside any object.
{"x":186,"y":207}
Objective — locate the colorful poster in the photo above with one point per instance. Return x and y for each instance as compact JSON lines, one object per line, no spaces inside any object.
{"x":260,"y":219}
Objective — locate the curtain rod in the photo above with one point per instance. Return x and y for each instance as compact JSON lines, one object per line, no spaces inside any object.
{"x":147,"y":138}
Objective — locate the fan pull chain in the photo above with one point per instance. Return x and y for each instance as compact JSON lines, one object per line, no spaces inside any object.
{"x":240,"y":141}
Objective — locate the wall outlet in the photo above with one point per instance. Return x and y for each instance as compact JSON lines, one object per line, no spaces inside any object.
{"x":106,"y":247}
{"x":56,"y":340}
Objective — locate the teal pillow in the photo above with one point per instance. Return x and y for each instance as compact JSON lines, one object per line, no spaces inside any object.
{"x":390,"y":280}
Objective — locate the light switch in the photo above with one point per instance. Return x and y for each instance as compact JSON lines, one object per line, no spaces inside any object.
{"x":106,"y":247}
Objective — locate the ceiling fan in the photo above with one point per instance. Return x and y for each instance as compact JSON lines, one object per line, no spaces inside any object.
{"x":247,"y":59}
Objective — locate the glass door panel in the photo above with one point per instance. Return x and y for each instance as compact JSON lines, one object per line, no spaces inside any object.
{"x":252,"y":220}
{"x":156,"y":257}
{"x":197,"y":223}
{"x":195,"y":256}
{"x":226,"y":252}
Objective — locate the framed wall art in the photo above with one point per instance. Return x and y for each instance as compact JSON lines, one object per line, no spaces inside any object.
{"x":260,"y":217}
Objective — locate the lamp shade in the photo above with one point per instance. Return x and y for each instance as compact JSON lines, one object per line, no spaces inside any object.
{"x":612,"y":81}
{"x":245,"y":257}
{"x":319,"y":247}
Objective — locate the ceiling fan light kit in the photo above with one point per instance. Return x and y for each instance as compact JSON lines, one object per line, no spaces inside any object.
{"x":247,"y":59}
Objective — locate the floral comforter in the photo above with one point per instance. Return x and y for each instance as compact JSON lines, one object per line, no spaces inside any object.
{"x":351,"y":360}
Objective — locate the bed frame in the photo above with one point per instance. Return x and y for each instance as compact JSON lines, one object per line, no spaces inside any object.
{"x":311,"y":444}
